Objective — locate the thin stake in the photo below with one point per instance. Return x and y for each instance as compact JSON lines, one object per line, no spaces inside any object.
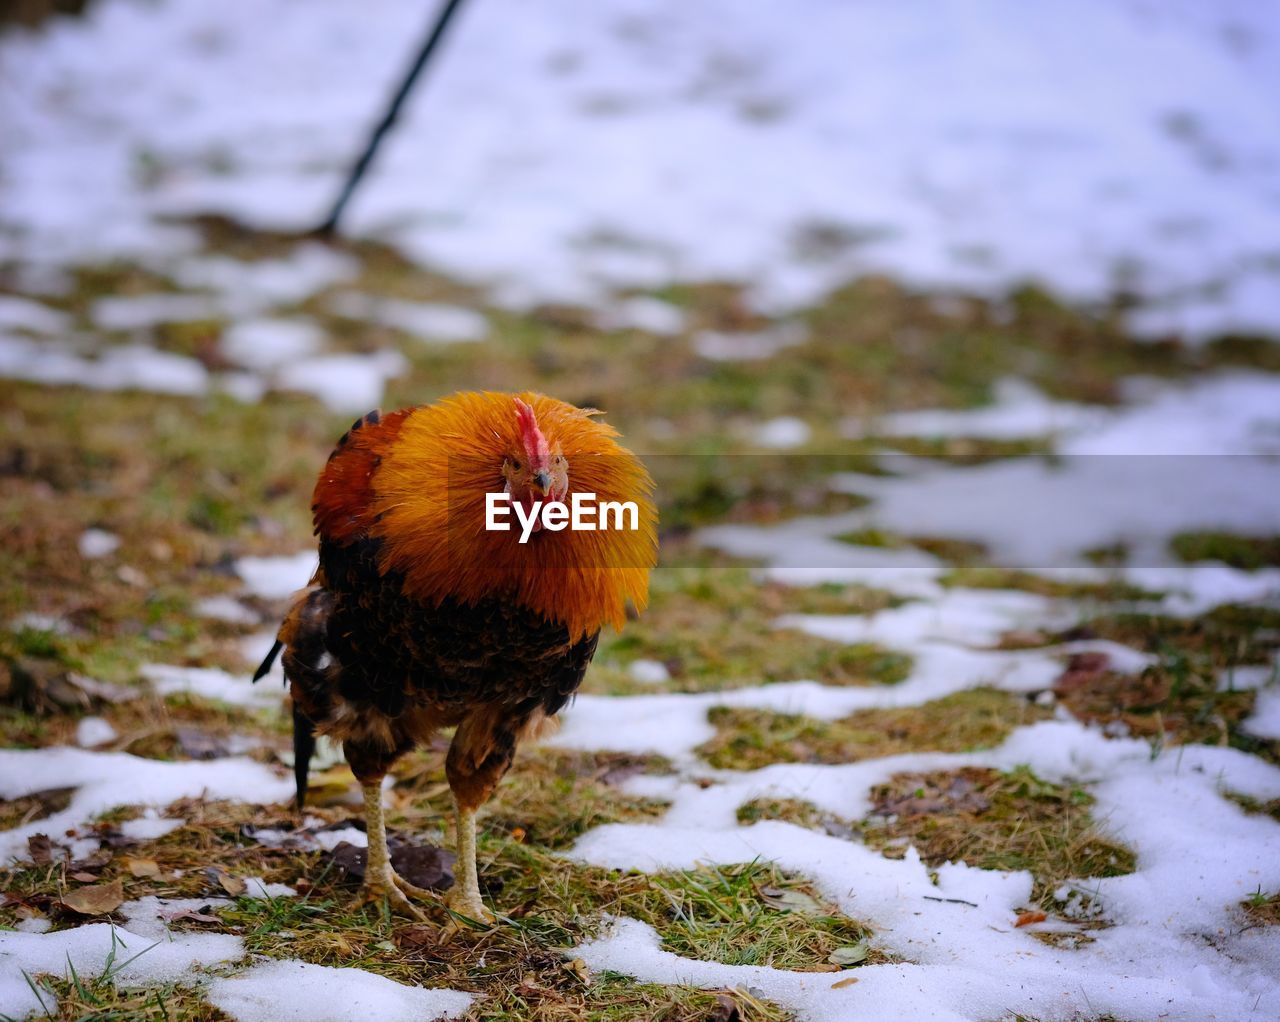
{"x":393,"y":111}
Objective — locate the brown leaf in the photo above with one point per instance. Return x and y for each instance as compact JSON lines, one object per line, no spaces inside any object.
{"x":97,"y":900}
{"x":40,"y":848}
{"x":726,"y":1010}
{"x":840,"y":984}
{"x":84,"y":878}
{"x":143,"y":867}
{"x":234,"y":886}
{"x":200,"y":916}
{"x":416,"y":937}
{"x":1027,"y":918}
{"x":350,"y":859}
{"x":427,"y":866}
{"x":93,"y":862}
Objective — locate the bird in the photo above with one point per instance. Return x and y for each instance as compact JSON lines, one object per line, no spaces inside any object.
{"x":423,"y":614}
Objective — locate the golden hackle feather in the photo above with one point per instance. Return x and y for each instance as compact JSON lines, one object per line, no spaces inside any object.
{"x":428,"y":508}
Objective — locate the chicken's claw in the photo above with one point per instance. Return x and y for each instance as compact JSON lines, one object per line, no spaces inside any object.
{"x":468,"y":905}
{"x":388,"y":886}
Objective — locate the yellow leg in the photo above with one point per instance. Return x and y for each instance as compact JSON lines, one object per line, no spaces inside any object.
{"x":380,"y":880}
{"x":464,"y":897}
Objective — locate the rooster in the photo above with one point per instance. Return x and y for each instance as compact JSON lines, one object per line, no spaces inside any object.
{"x":421,"y":617}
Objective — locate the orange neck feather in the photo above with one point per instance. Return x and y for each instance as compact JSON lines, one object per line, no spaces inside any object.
{"x":429,"y":508}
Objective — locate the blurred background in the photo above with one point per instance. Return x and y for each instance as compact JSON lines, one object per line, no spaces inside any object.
{"x":970,"y":307}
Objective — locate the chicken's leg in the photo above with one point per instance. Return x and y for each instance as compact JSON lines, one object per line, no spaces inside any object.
{"x":380,"y":880}
{"x":479,"y":755}
{"x":464,"y":897}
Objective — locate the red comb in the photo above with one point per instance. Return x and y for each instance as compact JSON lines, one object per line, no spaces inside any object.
{"x":535,"y":444}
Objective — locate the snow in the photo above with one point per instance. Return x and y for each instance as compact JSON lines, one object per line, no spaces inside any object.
{"x":1136,"y":476}
{"x":141,"y":312}
{"x":783,"y":432}
{"x":641,"y":312}
{"x":105,"y":780}
{"x":747,"y":347}
{"x":1019,"y":410}
{"x":648,"y":672}
{"x":970,"y":961}
{"x":274,"y":578}
{"x":225,"y":608}
{"x":150,"y":916}
{"x":149,"y":826}
{"x":139,"y":960}
{"x":247,"y":288}
{"x":265,"y":344}
{"x":256,"y":887}
{"x":635,"y":145}
{"x":1265,"y":720}
{"x":95,"y":543}
{"x":123,"y":367}
{"x":211,"y":683}
{"x":345,"y":383}
{"x":94,"y":731}
{"x":298,"y":992}
{"x":432,"y":322}
{"x":35,"y":317}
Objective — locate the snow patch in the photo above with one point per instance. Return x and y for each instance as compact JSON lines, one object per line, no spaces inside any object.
{"x":433,"y":322}
{"x":94,"y":731}
{"x":105,"y":780}
{"x":299,"y":992}
{"x":274,"y":578}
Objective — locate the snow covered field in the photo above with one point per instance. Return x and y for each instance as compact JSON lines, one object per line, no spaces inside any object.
{"x":596,"y":155}
{"x":561,"y":149}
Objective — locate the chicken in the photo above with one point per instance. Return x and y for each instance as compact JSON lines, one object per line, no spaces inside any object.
{"x":421,"y":617}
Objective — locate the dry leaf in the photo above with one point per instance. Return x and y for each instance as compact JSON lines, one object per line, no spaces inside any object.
{"x":85,"y":878}
{"x":200,"y":916}
{"x":97,"y":900}
{"x":840,"y":984}
{"x":851,"y":955}
{"x":40,"y":848}
{"x":144,"y":867}
{"x":726,"y":1010}
{"x":234,"y":886}
{"x":788,"y":899}
{"x":1027,"y":918}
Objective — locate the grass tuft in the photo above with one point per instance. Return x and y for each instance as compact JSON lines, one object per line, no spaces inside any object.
{"x":991,"y":820}
{"x":747,"y":739}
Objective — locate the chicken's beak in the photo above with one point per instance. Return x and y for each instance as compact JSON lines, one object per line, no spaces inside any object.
{"x":542,"y":481}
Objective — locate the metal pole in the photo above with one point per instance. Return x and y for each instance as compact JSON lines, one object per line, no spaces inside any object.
{"x":361,"y":165}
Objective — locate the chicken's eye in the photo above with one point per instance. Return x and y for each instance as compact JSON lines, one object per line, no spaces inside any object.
{"x":516,"y":465}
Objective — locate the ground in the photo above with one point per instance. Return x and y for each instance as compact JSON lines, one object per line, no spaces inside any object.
{"x":141,"y":530}
{"x":957,"y":696}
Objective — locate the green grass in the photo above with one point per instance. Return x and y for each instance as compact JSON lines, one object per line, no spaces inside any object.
{"x":712,"y":624}
{"x":1249,"y":553}
{"x":1006,"y":821}
{"x":747,"y":739}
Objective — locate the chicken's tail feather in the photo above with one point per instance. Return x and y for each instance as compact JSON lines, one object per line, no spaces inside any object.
{"x":264,"y":668}
{"x":304,"y":744}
